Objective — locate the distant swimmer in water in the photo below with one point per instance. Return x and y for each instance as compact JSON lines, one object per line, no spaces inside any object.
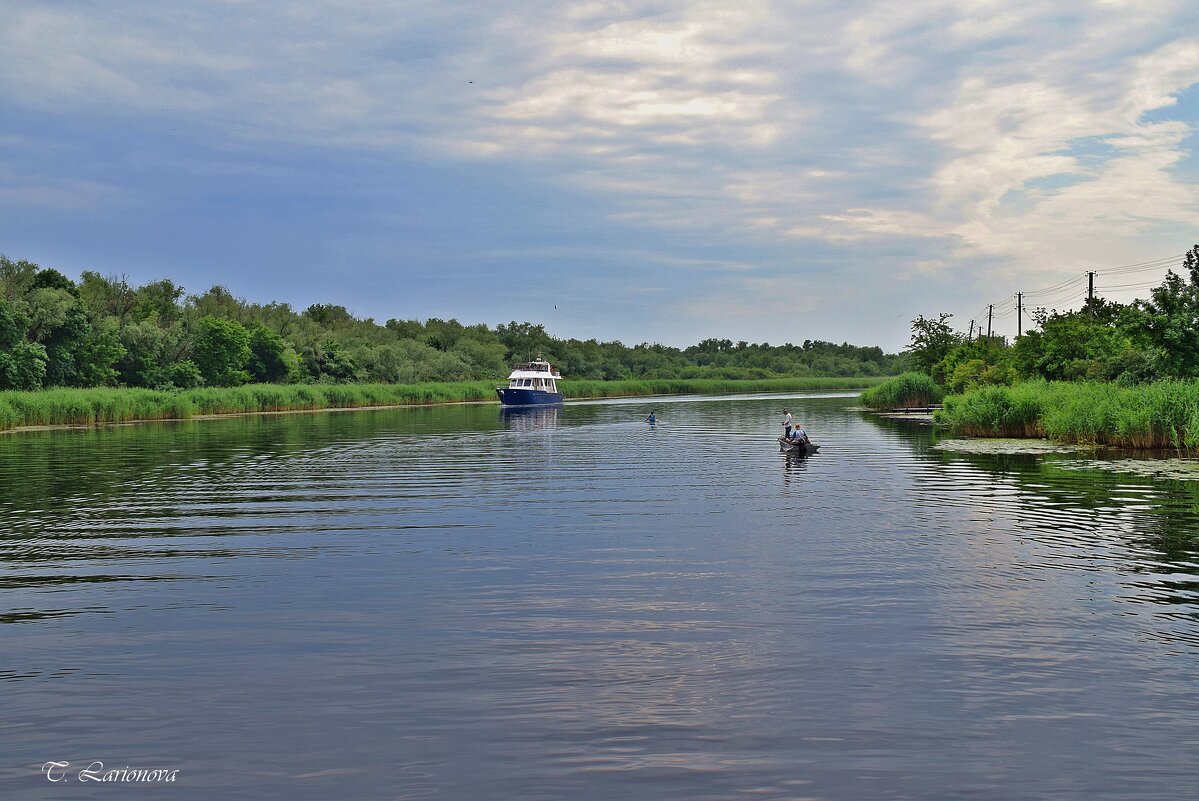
{"x":651,"y":419}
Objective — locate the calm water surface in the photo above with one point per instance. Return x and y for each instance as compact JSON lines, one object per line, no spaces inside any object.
{"x":455,"y":603}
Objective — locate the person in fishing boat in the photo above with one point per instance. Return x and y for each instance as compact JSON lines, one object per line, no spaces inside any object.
{"x":788,"y":421}
{"x":800,"y":435}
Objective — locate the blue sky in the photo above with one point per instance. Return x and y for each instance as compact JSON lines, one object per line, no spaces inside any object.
{"x":631,"y":170}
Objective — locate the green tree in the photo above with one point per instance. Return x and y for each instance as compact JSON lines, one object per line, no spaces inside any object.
{"x":158,"y":301}
{"x":1169,"y":321}
{"x":22,"y":363}
{"x":329,"y":316}
{"x":1072,"y":346}
{"x":486,"y":359}
{"x":389,"y":364}
{"x":144,"y":360}
{"x":23,"y":367}
{"x":58,"y":321}
{"x":14,"y":326}
{"x":525,"y":341}
{"x":931,"y":341}
{"x":405,"y":329}
{"x":989,"y":350}
{"x":221,"y":350}
{"x":272,"y":360}
{"x":53,"y":279}
{"x":146,"y":337}
{"x":99,"y":355}
{"x":976,"y":372}
{"x":16,"y":278}
{"x":443,"y":334}
{"x":184,"y":375}
{"x":218,"y":302}
{"x":105,"y":297}
{"x":331,"y":363}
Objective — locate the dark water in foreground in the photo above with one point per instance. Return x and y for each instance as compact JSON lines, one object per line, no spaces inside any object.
{"x":381,"y":605}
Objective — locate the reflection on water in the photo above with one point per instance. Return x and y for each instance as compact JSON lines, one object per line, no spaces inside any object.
{"x":460,"y":602}
{"x":528,"y":418}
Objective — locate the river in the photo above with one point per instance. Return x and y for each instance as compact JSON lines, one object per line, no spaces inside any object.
{"x":459,"y":603}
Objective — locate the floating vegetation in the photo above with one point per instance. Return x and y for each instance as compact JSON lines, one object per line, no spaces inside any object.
{"x":915,"y":417}
{"x":1178,"y":469}
{"x":1007,"y":446}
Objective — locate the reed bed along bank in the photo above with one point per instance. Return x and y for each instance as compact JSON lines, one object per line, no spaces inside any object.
{"x":52,"y":407}
{"x":1162,"y":415}
{"x":63,"y":407}
{"x":909,"y":389}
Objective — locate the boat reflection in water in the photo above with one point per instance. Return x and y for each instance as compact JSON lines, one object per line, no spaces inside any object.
{"x":529,"y":418}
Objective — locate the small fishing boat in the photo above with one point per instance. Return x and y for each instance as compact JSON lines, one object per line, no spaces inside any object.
{"x":798,"y":448}
{"x":533,"y":383}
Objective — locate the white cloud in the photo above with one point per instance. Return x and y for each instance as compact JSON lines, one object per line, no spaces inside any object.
{"x":26,"y":192}
{"x":640,"y":84}
{"x":960,"y":131}
{"x":1003,"y":137}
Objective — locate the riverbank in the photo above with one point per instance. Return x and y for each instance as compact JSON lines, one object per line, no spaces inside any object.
{"x":76,"y":407}
{"x":1161,"y":415}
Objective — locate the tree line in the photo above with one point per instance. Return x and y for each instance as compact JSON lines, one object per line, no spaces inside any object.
{"x":103,"y":331}
{"x":1147,"y":340}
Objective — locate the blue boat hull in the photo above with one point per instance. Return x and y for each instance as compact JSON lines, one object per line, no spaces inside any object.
{"x":527,"y":397}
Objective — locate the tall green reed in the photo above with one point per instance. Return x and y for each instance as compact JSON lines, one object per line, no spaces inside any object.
{"x":1162,"y":415}
{"x":909,"y":389}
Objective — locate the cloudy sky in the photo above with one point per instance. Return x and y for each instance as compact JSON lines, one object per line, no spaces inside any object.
{"x":623,"y":170}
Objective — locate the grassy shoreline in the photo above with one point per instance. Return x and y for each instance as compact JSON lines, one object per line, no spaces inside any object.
{"x":1158,"y":416}
{"x":75,"y":407}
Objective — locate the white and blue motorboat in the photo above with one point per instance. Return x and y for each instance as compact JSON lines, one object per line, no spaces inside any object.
{"x":534,"y":383}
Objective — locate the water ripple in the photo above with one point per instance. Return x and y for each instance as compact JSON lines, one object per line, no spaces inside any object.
{"x":462,"y":603}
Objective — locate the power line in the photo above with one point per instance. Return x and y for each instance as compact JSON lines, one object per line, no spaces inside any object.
{"x":1056,"y":287}
{"x":1146,"y":266}
{"x":1072,"y":292}
{"x":1152,"y":261}
{"x":1141,"y":285}
{"x":1081,"y":286}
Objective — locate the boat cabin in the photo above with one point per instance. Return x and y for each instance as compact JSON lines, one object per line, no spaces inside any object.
{"x":536,"y":376}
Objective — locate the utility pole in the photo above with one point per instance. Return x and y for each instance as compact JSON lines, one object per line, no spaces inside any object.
{"x":1091,"y":292}
{"x":990,"y":311}
{"x":1019,"y":314}
{"x":970,"y":336}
